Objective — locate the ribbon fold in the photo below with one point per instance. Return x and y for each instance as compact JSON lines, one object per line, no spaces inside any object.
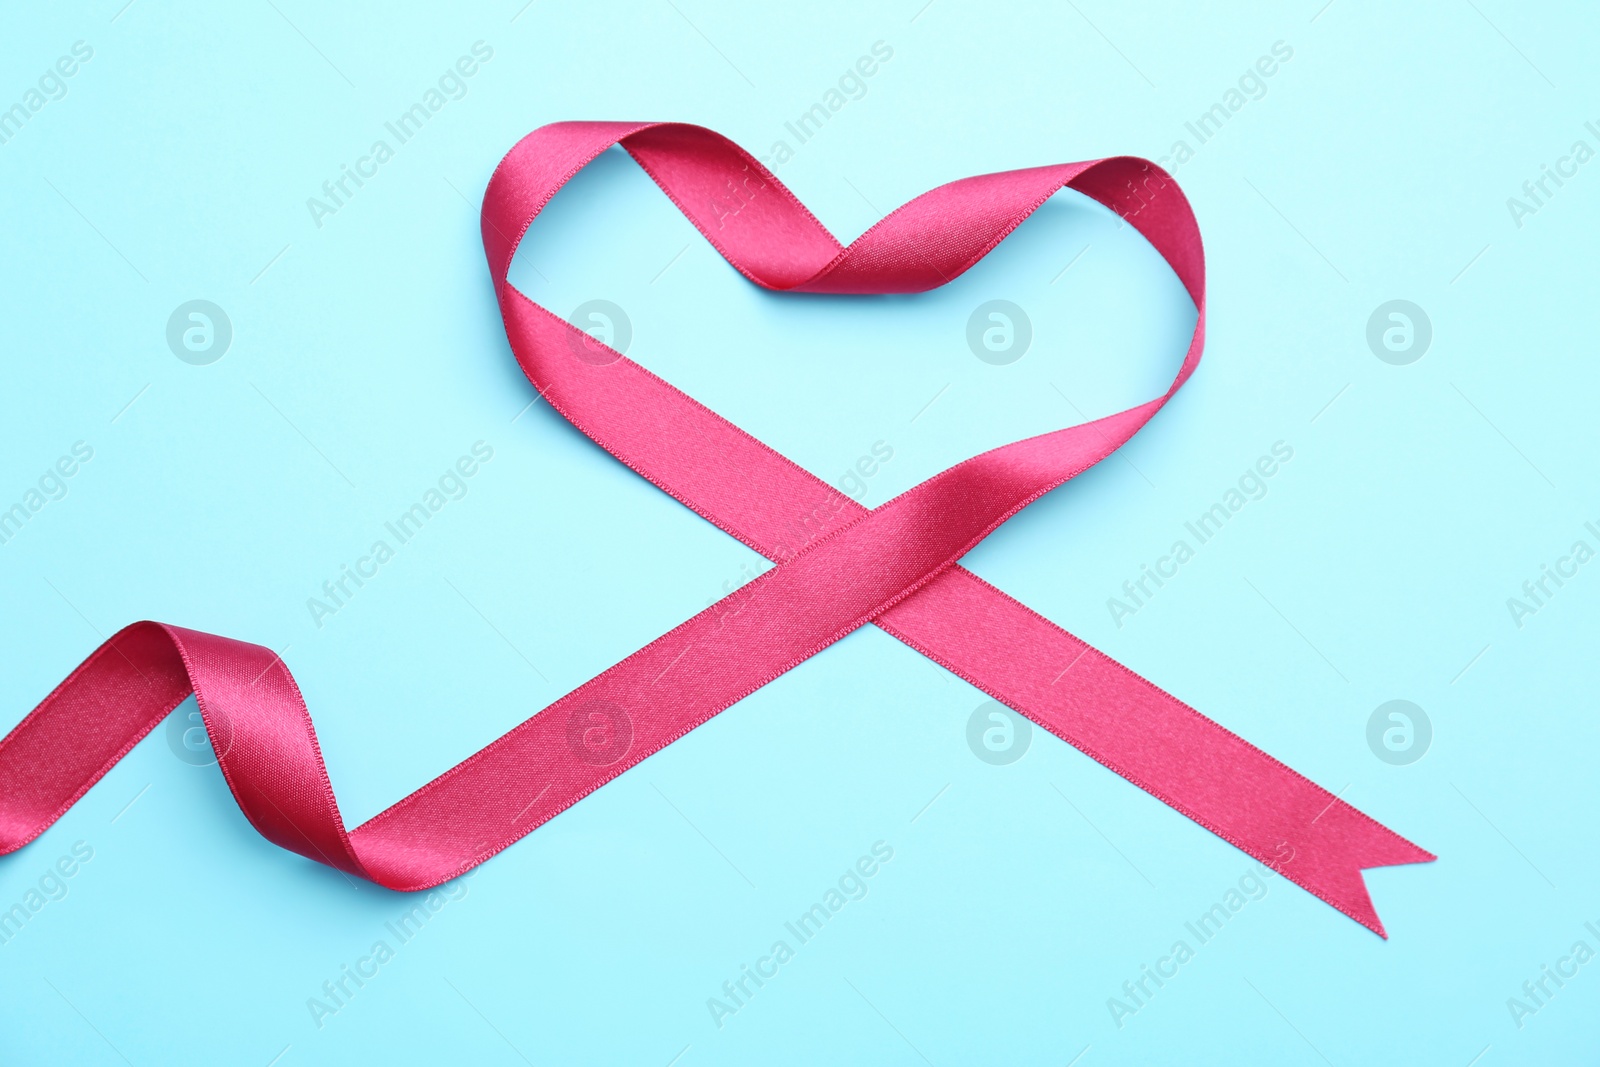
{"x":894,"y":566}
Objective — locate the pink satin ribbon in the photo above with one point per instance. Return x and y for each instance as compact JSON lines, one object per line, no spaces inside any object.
{"x":894,"y":566}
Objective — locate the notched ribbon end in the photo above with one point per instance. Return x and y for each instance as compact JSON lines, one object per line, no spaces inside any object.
{"x":1354,"y":843}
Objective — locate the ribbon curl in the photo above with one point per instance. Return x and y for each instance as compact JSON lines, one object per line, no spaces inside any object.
{"x":894,"y":566}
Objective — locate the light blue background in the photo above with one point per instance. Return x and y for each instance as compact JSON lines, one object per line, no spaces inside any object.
{"x":367,"y":355}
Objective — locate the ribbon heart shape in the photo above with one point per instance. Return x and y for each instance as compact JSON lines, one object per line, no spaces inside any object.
{"x":894,"y":567}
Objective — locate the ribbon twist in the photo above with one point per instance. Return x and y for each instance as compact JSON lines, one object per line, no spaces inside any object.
{"x":894,"y":566}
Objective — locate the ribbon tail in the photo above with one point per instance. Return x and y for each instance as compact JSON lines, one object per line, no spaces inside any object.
{"x":1327,"y":860}
{"x":1194,"y":765}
